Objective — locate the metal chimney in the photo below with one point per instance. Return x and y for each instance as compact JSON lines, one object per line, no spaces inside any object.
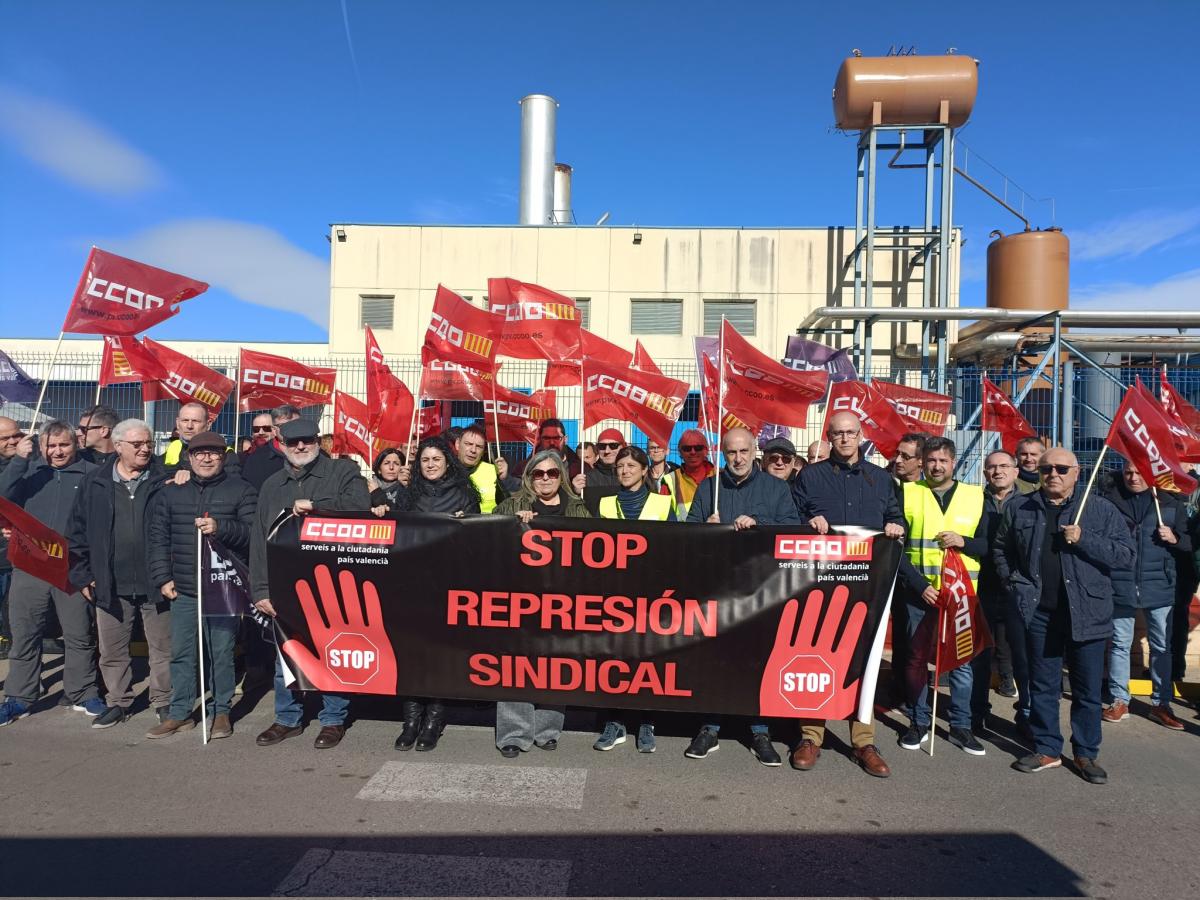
{"x":562,"y":195}
{"x":538,"y":114}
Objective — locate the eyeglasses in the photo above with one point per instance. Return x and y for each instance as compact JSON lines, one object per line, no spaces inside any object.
{"x":142,"y":445}
{"x":775,"y":459}
{"x":208,"y":453}
{"x":996,"y":467}
{"x":692,"y":448}
{"x":834,"y":435}
{"x":258,"y":428}
{"x":552,"y":437}
{"x":607,"y":445}
{"x":86,"y":428}
{"x":900,"y":454}
{"x":545,"y":474}
{"x":1060,"y":468}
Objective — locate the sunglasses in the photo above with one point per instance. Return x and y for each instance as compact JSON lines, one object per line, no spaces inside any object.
{"x":900,"y":454}
{"x":777,"y":458}
{"x":87,"y":428}
{"x":692,"y":448}
{"x":607,"y":445}
{"x":1060,"y":468}
{"x":296,"y":442}
{"x":546,"y":474}
{"x":264,"y":428}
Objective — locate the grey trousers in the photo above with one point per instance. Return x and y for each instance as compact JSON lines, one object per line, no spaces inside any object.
{"x":116,"y":668}
{"x":523,"y":724}
{"x":29,"y":601}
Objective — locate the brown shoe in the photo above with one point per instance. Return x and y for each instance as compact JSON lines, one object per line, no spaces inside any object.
{"x":330,"y":737}
{"x":1163,"y":716}
{"x":805,"y":756}
{"x":1115,"y":713}
{"x":277,"y":733}
{"x":872,"y":763}
{"x":221,"y":728}
{"x":169,"y":727}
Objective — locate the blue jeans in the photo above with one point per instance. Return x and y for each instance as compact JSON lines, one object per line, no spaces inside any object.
{"x":960,"y":684}
{"x":1158,"y":634}
{"x":1018,"y":642}
{"x":220,"y":636}
{"x":1050,"y":642}
{"x":289,"y":704}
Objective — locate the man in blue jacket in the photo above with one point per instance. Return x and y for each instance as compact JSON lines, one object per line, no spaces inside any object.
{"x":748,"y":497}
{"x":1057,"y":564}
{"x":1150,"y":587}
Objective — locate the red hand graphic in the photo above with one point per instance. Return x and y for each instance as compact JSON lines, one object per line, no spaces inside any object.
{"x":354,"y":653}
{"x":804,"y":675}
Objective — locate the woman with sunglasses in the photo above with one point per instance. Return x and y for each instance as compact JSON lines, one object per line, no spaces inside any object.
{"x":545,"y":491}
{"x":386,"y":486}
{"x":439,"y":485}
{"x":633,"y":500}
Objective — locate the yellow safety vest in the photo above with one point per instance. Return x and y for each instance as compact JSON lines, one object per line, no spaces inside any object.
{"x":485,"y":477}
{"x":926,"y":520}
{"x":658,"y":508}
{"x":679,"y":485}
{"x":174,"y":451}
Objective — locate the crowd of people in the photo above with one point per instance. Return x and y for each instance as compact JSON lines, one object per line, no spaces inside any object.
{"x":1060,"y":576}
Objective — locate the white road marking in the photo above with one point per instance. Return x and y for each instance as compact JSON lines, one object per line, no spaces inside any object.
{"x":497,"y":785}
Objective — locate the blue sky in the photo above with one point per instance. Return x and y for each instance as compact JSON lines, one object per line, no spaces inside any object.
{"x":220,"y":138}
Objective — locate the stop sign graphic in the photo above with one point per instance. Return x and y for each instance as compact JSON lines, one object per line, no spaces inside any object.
{"x":806,"y":683}
{"x":352,"y":658}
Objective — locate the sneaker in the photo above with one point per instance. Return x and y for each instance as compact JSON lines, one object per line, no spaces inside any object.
{"x":967,"y":742}
{"x":914,"y":738}
{"x":761,"y":747}
{"x":645,"y":739}
{"x":1091,"y":772}
{"x":1164,"y":717}
{"x":93,"y":707}
{"x":613,"y":734}
{"x":1007,"y":687}
{"x":11,"y":710}
{"x":1035,"y":762}
{"x":702,"y":744}
{"x":114,"y":715}
{"x":510,"y":751}
{"x":1115,"y":711}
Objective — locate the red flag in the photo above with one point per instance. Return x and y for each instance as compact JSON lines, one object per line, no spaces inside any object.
{"x":756,"y":386}
{"x":266,"y":380}
{"x":536,"y":323}
{"x":389,"y":401}
{"x":122,"y":296}
{"x":126,"y":361}
{"x":881,"y":424}
{"x":518,"y":415}
{"x":566,"y":374}
{"x":920,"y":410}
{"x":642,"y":360}
{"x":433,"y":421}
{"x":187,"y":380}
{"x":35,"y":548}
{"x":462,"y":333}
{"x":441,"y":380}
{"x":957,"y":633}
{"x":1001,"y":415}
{"x":1186,"y":441}
{"x":709,"y":384}
{"x":1176,"y":407}
{"x":1141,"y":433}
{"x":651,"y":402}
{"x":350,"y":431}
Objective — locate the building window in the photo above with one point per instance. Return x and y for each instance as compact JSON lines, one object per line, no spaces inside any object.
{"x":584,"y":305}
{"x":656,"y":316}
{"x":740,"y":313}
{"x":376,"y":310}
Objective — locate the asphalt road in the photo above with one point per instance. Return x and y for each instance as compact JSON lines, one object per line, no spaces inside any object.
{"x":106,"y":812}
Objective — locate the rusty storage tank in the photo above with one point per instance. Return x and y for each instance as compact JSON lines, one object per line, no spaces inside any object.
{"x":1029,"y":270}
{"x":909,"y":89}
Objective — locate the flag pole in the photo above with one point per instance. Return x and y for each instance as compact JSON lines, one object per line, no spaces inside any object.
{"x":1157,"y":507}
{"x":200,"y":631}
{"x":720,"y":419}
{"x":46,"y":380}
{"x":1091,"y":481}
{"x":937,"y":674}
{"x":495,"y":416}
{"x":582,"y":397}
{"x":408,"y":447}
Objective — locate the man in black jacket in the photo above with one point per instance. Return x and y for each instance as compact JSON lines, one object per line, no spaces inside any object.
{"x":266,"y":459}
{"x":10,"y":436}
{"x":309,"y":481}
{"x":95,"y":431}
{"x":108,"y":557}
{"x":1058,"y":579}
{"x":215,"y":503}
{"x":47,"y":488}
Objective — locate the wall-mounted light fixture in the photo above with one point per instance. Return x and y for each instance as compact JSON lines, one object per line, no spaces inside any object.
{"x":637,"y":236}
{"x":341,"y":234}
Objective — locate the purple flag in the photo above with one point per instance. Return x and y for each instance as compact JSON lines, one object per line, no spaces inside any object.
{"x":224,"y":582}
{"x":15,"y":385}
{"x":803,"y":355}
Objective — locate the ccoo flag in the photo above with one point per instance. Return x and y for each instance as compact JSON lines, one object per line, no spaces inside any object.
{"x":36,"y":549}
{"x":462,"y":333}
{"x":186,"y":380}
{"x":651,"y":402}
{"x":389,"y":401}
{"x":920,"y":410}
{"x":126,"y":361}
{"x":756,"y":386}
{"x":1176,"y":406}
{"x":1141,"y":432}
{"x":266,"y":380}
{"x":441,"y":380}
{"x":1001,"y":415}
{"x":881,"y":424}
{"x":518,"y":415}
{"x":566,"y":374}
{"x":122,"y":296}
{"x":535,"y":322}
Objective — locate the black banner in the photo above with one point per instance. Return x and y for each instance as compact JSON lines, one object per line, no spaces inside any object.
{"x":586,"y":612}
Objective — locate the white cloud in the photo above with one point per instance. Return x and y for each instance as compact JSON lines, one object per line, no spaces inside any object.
{"x":1131,"y":235}
{"x":74,"y":147}
{"x":251,"y":262}
{"x":1180,"y":292}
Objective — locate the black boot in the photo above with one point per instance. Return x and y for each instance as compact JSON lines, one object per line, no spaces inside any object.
{"x":412,"y":724}
{"x":431,"y":727}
